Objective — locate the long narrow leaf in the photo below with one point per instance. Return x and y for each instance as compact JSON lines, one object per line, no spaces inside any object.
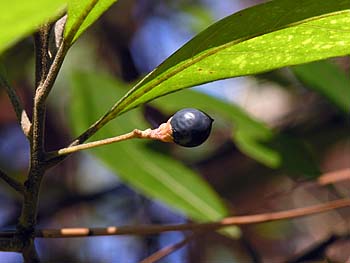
{"x":19,"y":18}
{"x":265,"y":37}
{"x":152,"y":172}
{"x":81,"y":15}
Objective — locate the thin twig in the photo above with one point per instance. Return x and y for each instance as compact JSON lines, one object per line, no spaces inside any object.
{"x":11,"y":244}
{"x":46,"y":74}
{"x":32,"y":185}
{"x":89,"y":145}
{"x":42,"y":56}
{"x":162,"y":133}
{"x":12,"y":182}
{"x":334,"y":177}
{"x":69,"y":38}
{"x":46,"y":86}
{"x":167,"y":250}
{"x":44,"y":90}
{"x":53,"y":159}
{"x":154,"y":229}
{"x":45,"y":78}
{"x":21,"y":114}
{"x":30,"y":253}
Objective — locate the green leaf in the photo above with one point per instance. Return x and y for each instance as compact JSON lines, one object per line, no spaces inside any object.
{"x":81,"y":15}
{"x":252,"y":137}
{"x":327,"y":79}
{"x":137,"y":162}
{"x":265,"y":37}
{"x":19,"y":18}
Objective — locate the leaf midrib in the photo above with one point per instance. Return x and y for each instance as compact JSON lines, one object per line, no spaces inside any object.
{"x":117,"y":109}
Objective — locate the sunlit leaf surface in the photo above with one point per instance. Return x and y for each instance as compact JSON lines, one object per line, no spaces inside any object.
{"x":19,"y":18}
{"x":144,"y":165}
{"x":84,"y":13}
{"x":261,"y":38}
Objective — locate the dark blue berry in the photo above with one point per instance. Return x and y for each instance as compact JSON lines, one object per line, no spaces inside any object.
{"x":190,"y":127}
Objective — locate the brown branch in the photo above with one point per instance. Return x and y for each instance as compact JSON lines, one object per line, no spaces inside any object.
{"x":42,"y":57}
{"x":12,"y":182}
{"x":30,"y":253}
{"x":32,"y":185}
{"x":45,"y":87}
{"x":334,"y":177}
{"x":67,"y":42}
{"x":162,"y":133}
{"x":11,"y":244}
{"x":46,"y":74}
{"x":21,"y":114}
{"x":154,"y":229}
{"x":41,"y":95}
{"x":167,"y":250}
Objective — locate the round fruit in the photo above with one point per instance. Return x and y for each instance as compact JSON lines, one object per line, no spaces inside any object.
{"x":190,"y":127}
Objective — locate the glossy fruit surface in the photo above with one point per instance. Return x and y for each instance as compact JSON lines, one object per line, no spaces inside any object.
{"x":190,"y":127}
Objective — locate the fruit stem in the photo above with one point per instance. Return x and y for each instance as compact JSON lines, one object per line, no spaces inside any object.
{"x":162,"y":133}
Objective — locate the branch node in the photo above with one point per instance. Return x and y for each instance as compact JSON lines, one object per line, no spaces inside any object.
{"x":162,"y":133}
